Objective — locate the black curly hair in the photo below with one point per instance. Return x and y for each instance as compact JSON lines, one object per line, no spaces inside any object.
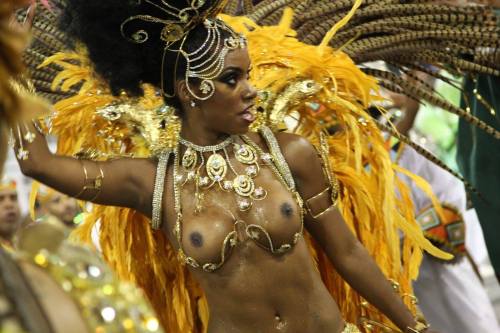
{"x":125,"y":65}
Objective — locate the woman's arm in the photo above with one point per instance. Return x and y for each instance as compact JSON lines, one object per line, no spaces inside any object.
{"x":343,"y":249}
{"x":123,"y":182}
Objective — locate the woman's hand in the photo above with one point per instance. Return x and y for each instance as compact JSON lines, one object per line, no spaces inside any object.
{"x":30,"y":146}
{"x":28,"y":139}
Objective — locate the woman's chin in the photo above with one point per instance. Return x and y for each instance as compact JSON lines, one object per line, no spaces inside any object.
{"x":241,"y":130}
{"x":238,"y":129}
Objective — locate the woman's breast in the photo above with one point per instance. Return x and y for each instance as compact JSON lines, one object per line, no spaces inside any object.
{"x":210,"y":235}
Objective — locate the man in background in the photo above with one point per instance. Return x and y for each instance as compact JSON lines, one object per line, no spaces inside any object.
{"x":10,"y":215}
{"x":451,"y":294}
{"x":55,"y":205}
{"x":477,"y":152}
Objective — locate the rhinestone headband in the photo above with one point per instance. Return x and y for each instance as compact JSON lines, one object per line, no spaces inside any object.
{"x":205,"y":63}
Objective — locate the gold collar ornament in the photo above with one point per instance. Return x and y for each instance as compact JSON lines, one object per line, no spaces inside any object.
{"x":217,"y":167}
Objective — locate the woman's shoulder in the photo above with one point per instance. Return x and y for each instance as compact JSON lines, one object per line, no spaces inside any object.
{"x":294,"y":146}
{"x":296,"y":149}
{"x":289,"y":143}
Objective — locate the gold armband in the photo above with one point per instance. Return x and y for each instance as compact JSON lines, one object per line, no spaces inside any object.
{"x":91,"y":184}
{"x":310,"y":203}
{"x":333,"y":189}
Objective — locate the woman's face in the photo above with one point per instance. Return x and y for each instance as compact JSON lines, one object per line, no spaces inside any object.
{"x":230,"y":110}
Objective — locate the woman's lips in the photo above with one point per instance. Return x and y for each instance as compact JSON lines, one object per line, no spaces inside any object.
{"x":248,"y":116}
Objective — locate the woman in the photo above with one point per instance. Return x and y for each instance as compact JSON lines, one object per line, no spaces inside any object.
{"x":231,"y":201}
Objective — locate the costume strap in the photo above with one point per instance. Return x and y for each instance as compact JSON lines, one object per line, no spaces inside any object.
{"x":279,"y":159}
{"x":161,"y":171}
{"x":324,"y":153}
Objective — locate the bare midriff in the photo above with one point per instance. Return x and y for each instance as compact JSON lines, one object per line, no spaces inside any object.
{"x":258,"y":292}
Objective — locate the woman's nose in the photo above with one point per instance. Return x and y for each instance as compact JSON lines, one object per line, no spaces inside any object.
{"x":250,"y":92}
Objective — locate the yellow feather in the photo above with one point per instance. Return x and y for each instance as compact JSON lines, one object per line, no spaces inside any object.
{"x":330,"y":34}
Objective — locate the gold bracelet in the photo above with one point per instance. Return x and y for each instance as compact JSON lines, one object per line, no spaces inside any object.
{"x":397,"y":288}
{"x":92,"y":184}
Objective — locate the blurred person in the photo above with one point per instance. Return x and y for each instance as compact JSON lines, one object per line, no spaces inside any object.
{"x":53,"y":204}
{"x":10,"y":215}
{"x":478,"y":158}
{"x":477,"y":154}
{"x":450,"y":293}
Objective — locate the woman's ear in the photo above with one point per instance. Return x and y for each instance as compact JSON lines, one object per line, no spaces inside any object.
{"x":183,"y":92}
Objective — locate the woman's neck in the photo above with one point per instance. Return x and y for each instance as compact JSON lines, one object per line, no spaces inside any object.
{"x":196,"y":133}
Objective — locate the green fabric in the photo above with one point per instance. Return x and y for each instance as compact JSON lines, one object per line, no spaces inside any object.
{"x":440,"y":127}
{"x":478,"y":158}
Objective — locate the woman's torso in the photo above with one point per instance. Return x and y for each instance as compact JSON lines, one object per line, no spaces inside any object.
{"x":263,"y":279}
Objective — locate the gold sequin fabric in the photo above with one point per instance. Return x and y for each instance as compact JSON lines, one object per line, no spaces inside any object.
{"x":351,"y":328}
{"x":107,"y":303}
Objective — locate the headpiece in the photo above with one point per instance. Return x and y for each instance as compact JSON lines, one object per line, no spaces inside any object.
{"x":45,"y":194}
{"x":8,"y":185}
{"x":204,"y":63}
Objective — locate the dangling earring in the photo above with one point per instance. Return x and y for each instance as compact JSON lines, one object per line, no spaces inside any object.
{"x":193,"y":104}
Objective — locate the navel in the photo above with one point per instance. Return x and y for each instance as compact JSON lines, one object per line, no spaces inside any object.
{"x":287,"y":210}
{"x":280,"y":323}
{"x":196,"y":239}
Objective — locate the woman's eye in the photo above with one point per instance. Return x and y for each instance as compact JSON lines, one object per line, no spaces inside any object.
{"x":232,"y":80}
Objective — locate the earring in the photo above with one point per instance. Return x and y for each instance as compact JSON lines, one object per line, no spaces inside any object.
{"x":193,"y":104}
